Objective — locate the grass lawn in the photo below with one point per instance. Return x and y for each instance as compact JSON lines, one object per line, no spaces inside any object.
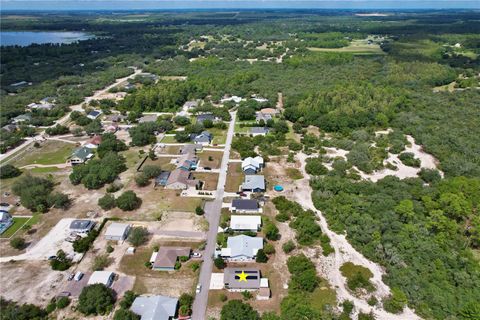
{"x":216,"y":159}
{"x":44,"y":170}
{"x":234,"y":177}
{"x":322,"y":297}
{"x":51,"y":152}
{"x":350,"y":271}
{"x":169,"y":200}
{"x":163,"y":162}
{"x":240,"y":129}
{"x":358,"y":47}
{"x":169,"y":139}
{"x":219,"y":135}
{"x":210,"y":180}
{"x":294,"y":174}
{"x":17,"y":224}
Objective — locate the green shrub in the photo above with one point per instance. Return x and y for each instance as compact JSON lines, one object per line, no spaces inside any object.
{"x":63,"y":302}
{"x":288,"y":246}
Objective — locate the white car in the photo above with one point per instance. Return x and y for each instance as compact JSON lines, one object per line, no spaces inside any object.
{"x":199,"y":288}
{"x":196,"y":255}
{"x":78,"y":276}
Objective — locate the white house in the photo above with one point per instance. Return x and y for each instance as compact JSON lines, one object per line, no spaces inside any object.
{"x":103,"y":277}
{"x":245,"y":223}
{"x":117,"y":231}
{"x":252,"y":165}
{"x":242,"y":248}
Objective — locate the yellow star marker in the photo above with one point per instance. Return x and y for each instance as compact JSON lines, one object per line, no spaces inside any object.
{"x":242,"y":276}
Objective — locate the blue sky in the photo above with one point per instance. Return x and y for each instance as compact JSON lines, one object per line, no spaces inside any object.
{"x":222,"y":4}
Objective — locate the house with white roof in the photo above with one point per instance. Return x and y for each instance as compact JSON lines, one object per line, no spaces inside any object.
{"x":245,"y":223}
{"x":103,"y":277}
{"x":242,"y":248}
{"x":155,"y":307}
{"x":252,"y":165}
{"x":117,"y":231}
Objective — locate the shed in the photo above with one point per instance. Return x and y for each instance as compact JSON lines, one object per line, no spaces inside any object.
{"x":117,"y":231}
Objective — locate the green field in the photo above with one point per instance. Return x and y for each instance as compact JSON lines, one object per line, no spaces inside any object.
{"x":51,"y":152}
{"x":357,"y":47}
{"x":17,"y":224}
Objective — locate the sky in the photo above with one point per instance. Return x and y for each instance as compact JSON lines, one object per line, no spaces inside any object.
{"x":231,"y":4}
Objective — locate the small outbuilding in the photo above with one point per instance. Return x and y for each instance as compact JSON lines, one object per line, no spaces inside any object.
{"x":103,"y":277}
{"x":117,"y":231}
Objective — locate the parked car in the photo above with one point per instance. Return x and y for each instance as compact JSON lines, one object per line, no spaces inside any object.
{"x":196,"y":255}
{"x":207,"y":168}
{"x":70,"y":276}
{"x":199,"y":288}
{"x":242,"y":194}
{"x":63,"y":294}
{"x":78,"y":276}
{"x":52,"y":258}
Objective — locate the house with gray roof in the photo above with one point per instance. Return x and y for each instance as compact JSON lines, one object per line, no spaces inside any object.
{"x":22,"y":118}
{"x":259,"y":131}
{"x":245,"y":206}
{"x":162,"y":178}
{"x":166,"y":257}
{"x":6,"y":221}
{"x":203,"y":138}
{"x":205,"y":116}
{"x":155,"y":307}
{"x":82,"y":226}
{"x":117,"y":231}
{"x":254,"y":183}
{"x":81,"y":155}
{"x":232,"y":282}
{"x":148,"y":118}
{"x":94,"y":114}
{"x":242,"y":248}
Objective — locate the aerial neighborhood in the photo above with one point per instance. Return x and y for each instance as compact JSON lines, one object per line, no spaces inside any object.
{"x":227,"y":164}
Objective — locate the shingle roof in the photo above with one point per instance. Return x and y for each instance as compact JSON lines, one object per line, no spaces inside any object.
{"x":154,"y":307}
{"x":245,"y":204}
{"x":167,"y":256}
{"x":82,"y":153}
{"x":254,"y":182}
{"x":259,"y":130}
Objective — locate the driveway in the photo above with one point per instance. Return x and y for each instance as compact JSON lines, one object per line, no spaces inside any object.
{"x":212,"y":213}
{"x":53,"y":241}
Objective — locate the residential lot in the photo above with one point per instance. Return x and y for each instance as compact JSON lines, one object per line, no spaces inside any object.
{"x":234,"y":177}
{"x":209,"y":179}
{"x":211,"y":159}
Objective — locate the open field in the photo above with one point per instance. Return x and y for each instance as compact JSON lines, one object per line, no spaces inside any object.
{"x":210,"y":180}
{"x":50,"y":152}
{"x":234,"y":177}
{"x":357,"y":47}
{"x":219,"y":135}
{"x":215,"y":156}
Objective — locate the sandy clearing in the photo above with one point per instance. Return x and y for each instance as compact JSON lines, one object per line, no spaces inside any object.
{"x":329,"y":267}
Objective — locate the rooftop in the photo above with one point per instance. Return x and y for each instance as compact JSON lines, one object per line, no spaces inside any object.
{"x":167,"y":256}
{"x":154,"y":307}
{"x":231,"y":278}
{"x":116,"y":229}
{"x":245,"y":204}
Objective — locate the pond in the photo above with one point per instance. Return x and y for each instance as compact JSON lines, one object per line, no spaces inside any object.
{"x":26,"y":38}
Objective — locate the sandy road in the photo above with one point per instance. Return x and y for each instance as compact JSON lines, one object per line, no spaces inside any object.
{"x":344,"y":252}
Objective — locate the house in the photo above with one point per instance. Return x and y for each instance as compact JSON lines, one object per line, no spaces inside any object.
{"x":190,"y":104}
{"x":259,"y":131}
{"x":260,"y":116}
{"x":155,"y":307}
{"x":81,"y":155}
{"x":129,"y":86}
{"x":245,"y":206}
{"x":167,"y":257}
{"x":242,"y":248}
{"x":241,"y":279}
{"x":117,"y":231}
{"x":22,"y":118}
{"x":148,"y":118}
{"x":254,"y":183}
{"x":94,"y":114}
{"x":205,"y":116}
{"x":103,"y":277}
{"x":6,"y":221}
{"x":181,"y":179}
{"x":269,"y":111}
{"x":48,"y":100}
{"x":203,"y":138}
{"x":245,"y":223}
{"x":40,"y":106}
{"x":94,"y":142}
{"x":162,"y":178}
{"x":10,"y":127}
{"x":82,"y":226}
{"x":252,"y":165}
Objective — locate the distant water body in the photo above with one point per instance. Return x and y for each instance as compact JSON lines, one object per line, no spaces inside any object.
{"x":26,"y":38}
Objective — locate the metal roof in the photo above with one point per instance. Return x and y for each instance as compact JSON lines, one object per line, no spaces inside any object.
{"x":155,"y":307}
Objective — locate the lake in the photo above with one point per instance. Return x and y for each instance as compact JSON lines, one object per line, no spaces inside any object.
{"x":26,"y":38}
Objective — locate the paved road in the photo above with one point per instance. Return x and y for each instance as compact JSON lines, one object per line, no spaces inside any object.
{"x":64,"y":119}
{"x":212,"y":209}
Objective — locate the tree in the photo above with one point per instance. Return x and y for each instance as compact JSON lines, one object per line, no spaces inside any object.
{"x":12,"y":311}
{"x":181,"y":121}
{"x":110,"y":143}
{"x":9,"y":171}
{"x":141,"y":179}
{"x":61,"y":262}
{"x":128,"y":299}
{"x":405,"y":210}
{"x":94,"y":127}
{"x":128,"y":201}
{"x":107,"y":202}
{"x":207,"y":123}
{"x":96,"y":299}
{"x":470,"y":311}
{"x":17,"y":243}
{"x":58,"y":200}
{"x":237,"y":310}
{"x":396,"y":301}
{"x":182,"y":137}
{"x":199,"y":211}
{"x":268,"y":248}
{"x":246,"y":113}
{"x":138,"y":236}
{"x":315,"y":167}
{"x":288,"y":246}
{"x":271,"y":231}
{"x":151,"y":171}
{"x":33,"y":192}
{"x":261,"y":256}
{"x":57,"y":130}
{"x":219,"y":263}
{"x":63,"y":302}
{"x":125,"y":314}
{"x":100,"y":262}
{"x":429,"y":175}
